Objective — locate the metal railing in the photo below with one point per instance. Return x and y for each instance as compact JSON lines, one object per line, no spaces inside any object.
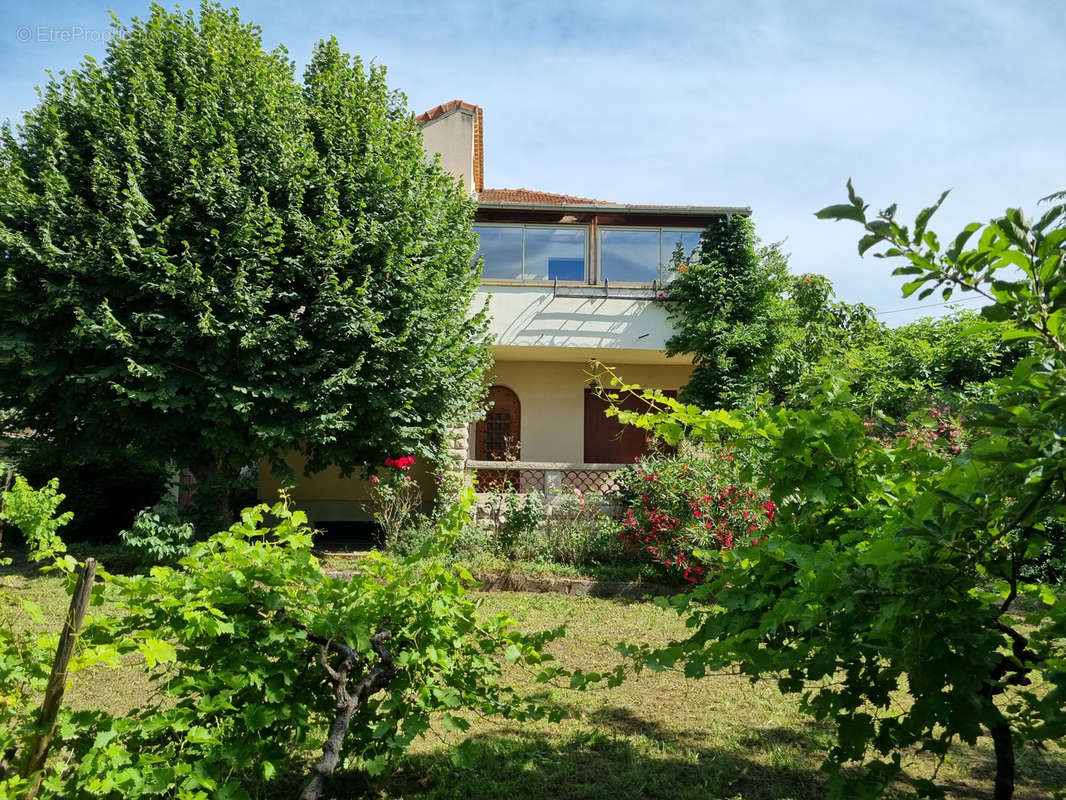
{"x":551,"y":478}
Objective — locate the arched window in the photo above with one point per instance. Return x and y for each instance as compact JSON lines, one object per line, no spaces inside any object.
{"x":496,"y":437}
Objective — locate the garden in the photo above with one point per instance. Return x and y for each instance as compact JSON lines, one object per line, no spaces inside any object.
{"x":846,"y":540}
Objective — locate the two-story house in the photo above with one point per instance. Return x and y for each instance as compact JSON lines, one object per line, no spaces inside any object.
{"x":567,"y":280}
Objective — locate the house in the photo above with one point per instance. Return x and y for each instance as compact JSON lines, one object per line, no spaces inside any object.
{"x":567,"y":280}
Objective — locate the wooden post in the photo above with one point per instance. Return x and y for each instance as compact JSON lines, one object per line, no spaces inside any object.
{"x":57,"y":683}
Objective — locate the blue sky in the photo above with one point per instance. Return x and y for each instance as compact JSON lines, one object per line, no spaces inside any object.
{"x":767,"y":104}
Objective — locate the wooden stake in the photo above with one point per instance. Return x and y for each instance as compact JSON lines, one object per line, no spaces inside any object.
{"x":57,"y":683}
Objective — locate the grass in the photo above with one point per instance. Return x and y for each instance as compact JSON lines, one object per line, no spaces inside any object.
{"x":656,"y":736}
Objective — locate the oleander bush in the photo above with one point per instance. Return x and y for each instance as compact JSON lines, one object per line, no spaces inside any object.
{"x":678,"y":507}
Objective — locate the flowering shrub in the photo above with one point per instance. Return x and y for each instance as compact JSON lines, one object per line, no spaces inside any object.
{"x":678,"y":506}
{"x":934,"y":429}
{"x":395,"y":497}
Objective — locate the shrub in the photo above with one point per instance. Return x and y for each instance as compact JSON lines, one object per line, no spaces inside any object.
{"x":394,"y":497}
{"x":514,"y":520}
{"x":678,"y":506}
{"x":159,"y":535}
{"x":34,"y":513}
{"x":260,"y":653}
{"x":578,"y":533}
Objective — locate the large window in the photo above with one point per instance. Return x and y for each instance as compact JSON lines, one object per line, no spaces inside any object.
{"x":643,"y":255}
{"x":532,"y":252}
{"x":520,"y":252}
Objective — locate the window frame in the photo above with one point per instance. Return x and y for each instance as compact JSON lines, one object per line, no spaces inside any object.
{"x":660,"y":228}
{"x":586,"y":255}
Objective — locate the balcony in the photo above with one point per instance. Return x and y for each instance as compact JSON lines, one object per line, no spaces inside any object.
{"x":577,"y":320}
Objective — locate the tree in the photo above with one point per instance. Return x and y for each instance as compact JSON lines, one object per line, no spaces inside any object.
{"x":894,"y":568}
{"x":816,"y":330}
{"x":727,"y":312}
{"x":204,"y":262}
{"x":895,"y":371}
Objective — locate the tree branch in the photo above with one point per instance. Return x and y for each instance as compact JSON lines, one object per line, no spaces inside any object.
{"x":348,"y":701}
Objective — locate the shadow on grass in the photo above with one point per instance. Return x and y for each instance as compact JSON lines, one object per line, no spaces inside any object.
{"x":593,"y":765}
{"x":1038,"y":774}
{"x":627,"y":757}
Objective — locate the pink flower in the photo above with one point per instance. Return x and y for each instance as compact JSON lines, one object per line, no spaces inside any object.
{"x":373,"y":478}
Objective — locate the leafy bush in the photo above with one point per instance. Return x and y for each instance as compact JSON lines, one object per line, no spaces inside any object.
{"x":895,"y":568}
{"x":578,"y":533}
{"x":259,"y":658}
{"x":394,"y":498}
{"x":677,"y":507}
{"x":25,"y":660}
{"x":514,"y":520}
{"x":573,"y":531}
{"x":159,"y":535}
{"x":34,"y":513}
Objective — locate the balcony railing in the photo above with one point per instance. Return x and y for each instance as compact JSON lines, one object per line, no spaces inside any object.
{"x":550,"y":478}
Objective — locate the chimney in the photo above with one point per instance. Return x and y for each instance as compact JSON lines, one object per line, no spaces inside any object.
{"x":454,"y":131}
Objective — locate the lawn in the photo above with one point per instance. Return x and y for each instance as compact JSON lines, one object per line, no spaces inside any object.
{"x":657,"y":736}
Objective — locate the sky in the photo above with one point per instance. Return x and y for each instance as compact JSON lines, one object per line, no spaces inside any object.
{"x":772,"y":105}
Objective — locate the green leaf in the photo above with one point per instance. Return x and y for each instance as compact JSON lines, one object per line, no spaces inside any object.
{"x":198,"y":735}
{"x":156,"y":651}
{"x":839,"y":212}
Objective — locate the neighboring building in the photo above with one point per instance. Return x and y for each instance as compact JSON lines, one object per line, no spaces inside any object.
{"x":568,"y":280}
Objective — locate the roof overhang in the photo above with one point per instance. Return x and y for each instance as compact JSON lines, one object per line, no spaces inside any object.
{"x":617,"y":208}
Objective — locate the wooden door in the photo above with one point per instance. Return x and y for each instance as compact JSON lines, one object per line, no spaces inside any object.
{"x":607,"y":441}
{"x":497,"y":437}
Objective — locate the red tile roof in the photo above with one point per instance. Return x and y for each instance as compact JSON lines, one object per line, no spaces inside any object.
{"x":444,"y":108}
{"x":533,"y":197}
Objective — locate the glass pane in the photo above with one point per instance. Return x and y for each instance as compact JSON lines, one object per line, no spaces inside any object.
{"x":689,"y":240}
{"x":501,"y":248}
{"x":629,"y":256}
{"x":552,"y":252}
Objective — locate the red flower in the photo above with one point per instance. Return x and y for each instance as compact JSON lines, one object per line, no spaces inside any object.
{"x":404,"y":462}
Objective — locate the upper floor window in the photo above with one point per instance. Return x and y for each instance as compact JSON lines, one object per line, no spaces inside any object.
{"x":643,"y":255}
{"x":533,"y":252}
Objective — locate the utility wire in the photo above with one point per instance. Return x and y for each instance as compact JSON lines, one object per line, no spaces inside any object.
{"x":929,"y":305}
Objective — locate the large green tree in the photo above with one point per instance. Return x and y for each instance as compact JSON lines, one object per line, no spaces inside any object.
{"x":728,"y":312}
{"x":891,"y":592}
{"x":205,"y":262}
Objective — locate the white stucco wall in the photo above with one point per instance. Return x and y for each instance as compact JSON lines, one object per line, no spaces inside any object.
{"x":531,"y":317}
{"x":452,"y":137}
{"x":552,"y":397}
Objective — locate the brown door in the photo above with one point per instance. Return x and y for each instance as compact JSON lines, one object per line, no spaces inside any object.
{"x":496,"y":437}
{"x":607,"y":441}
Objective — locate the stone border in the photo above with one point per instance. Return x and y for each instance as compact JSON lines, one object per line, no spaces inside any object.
{"x":574,"y":587}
